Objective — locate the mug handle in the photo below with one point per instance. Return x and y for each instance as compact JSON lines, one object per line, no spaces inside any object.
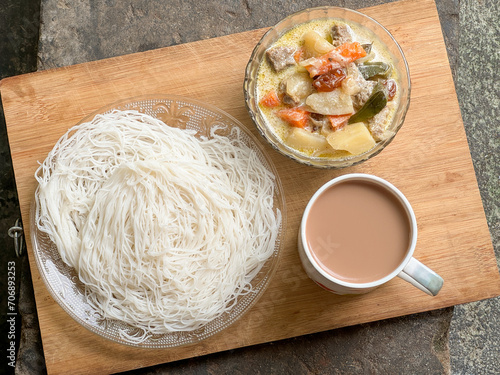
{"x":422,"y":277}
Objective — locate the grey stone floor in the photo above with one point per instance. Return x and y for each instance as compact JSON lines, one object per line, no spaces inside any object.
{"x":460,"y":340}
{"x":19,"y":32}
{"x":475,"y":327}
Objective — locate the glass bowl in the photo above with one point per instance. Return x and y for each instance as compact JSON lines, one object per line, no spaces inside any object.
{"x":274,"y":33}
{"x":62,"y":281}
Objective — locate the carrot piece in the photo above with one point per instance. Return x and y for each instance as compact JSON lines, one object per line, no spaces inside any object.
{"x":270,"y":100}
{"x":339,"y":121}
{"x":296,"y":117}
{"x":336,"y":58}
{"x":298,"y":56}
{"x":321,"y":65}
{"x":351,"y":51}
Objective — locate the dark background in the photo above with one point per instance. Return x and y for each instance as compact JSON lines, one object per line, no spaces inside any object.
{"x":19,"y":30}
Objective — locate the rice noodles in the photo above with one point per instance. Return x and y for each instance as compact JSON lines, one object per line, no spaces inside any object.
{"x":165,"y":230}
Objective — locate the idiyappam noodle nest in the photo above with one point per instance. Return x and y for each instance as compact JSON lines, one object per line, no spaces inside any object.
{"x":164,"y":229}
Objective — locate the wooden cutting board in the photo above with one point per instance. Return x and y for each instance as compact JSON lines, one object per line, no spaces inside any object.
{"x":429,"y":161}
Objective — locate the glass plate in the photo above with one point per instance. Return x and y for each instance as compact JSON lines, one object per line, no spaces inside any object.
{"x":62,"y":281}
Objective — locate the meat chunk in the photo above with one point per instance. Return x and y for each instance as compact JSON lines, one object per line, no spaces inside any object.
{"x":355,"y":85}
{"x":351,"y":84}
{"x":341,"y":33}
{"x":280,"y":57}
{"x":378,"y":124}
{"x":287,"y":99}
{"x":319,"y":123}
{"x":362,"y":96}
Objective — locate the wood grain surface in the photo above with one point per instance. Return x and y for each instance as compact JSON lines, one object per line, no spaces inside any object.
{"x":429,"y":161}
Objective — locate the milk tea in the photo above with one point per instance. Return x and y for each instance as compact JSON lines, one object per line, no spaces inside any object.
{"x":358,"y":231}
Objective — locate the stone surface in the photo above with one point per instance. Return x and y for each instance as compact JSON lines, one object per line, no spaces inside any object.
{"x":74,"y":32}
{"x":19,"y":25}
{"x":30,"y":358}
{"x":448,"y":11}
{"x":415,"y":344}
{"x":475,"y":327}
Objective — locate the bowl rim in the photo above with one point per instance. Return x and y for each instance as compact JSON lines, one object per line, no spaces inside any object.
{"x":293,"y":154}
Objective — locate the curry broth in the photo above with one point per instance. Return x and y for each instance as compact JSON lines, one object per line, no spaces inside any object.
{"x":268,"y":78}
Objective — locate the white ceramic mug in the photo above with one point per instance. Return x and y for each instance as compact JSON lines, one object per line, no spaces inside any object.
{"x":409,"y":269}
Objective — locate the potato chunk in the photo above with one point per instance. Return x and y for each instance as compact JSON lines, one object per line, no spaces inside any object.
{"x":336,"y":102}
{"x":306,"y":141}
{"x":298,"y":87}
{"x":315,"y":44}
{"x":354,"y":138}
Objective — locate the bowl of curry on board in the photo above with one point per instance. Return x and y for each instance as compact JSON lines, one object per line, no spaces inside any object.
{"x":328,"y":87}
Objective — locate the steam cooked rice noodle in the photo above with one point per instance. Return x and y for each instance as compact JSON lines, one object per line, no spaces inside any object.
{"x":164,"y":230}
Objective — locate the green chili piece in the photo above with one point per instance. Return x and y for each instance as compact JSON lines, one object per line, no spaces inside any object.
{"x":371,"y":69}
{"x":375,"y":103}
{"x":367,"y":48}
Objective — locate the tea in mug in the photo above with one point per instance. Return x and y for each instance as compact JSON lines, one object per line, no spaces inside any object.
{"x":358,"y":231}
